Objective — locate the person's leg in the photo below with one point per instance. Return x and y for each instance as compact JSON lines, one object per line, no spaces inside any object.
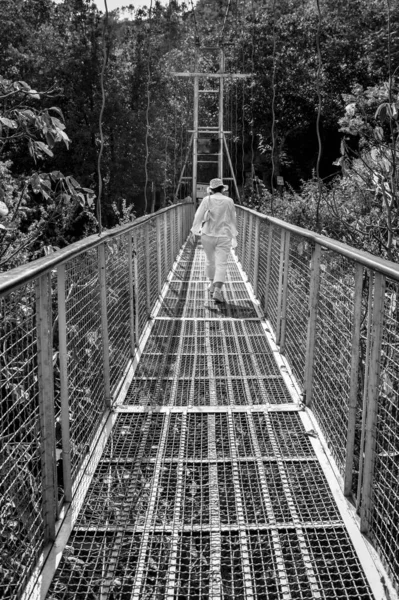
{"x":222,"y":252}
{"x":208,"y":243}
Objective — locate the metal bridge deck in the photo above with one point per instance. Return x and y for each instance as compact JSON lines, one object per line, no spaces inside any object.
{"x":209,"y":485}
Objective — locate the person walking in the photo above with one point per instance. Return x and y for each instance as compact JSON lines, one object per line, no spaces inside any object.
{"x":215,"y":220}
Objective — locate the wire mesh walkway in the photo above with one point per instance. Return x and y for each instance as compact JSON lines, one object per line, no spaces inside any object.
{"x":209,"y":485}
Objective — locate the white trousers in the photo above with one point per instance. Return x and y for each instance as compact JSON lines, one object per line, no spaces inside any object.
{"x":217,"y":250}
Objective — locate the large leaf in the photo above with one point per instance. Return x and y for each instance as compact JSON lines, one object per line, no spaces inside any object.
{"x":57,"y":110}
{"x":44,"y":148}
{"x":8,"y":123}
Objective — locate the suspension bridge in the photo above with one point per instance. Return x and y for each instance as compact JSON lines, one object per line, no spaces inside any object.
{"x":156,"y":444}
{"x":200,"y":450}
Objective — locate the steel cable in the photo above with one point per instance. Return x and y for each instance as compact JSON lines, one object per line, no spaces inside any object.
{"x":224,"y":22}
{"x":252,"y":95}
{"x":147,"y":113}
{"x":318,"y":78}
{"x":100,"y":123}
{"x":197,"y":37}
{"x":273,"y":105}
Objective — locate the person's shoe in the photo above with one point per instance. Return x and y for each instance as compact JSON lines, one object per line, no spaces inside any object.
{"x":211,"y":288}
{"x":217,"y":295}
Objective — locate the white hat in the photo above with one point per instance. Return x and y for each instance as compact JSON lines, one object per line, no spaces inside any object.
{"x":215,"y":183}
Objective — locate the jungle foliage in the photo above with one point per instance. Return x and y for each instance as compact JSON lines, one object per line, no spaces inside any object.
{"x":51,"y":56}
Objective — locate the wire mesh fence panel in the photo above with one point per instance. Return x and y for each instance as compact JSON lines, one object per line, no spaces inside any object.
{"x":21,"y":522}
{"x":332,"y":363}
{"x":297,"y":314}
{"x":118,"y":306}
{"x":85,"y":355}
{"x":273,"y":295}
{"x":385,"y":485}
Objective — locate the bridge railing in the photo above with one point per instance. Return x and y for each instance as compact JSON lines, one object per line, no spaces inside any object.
{"x":69,"y":326}
{"x":335,"y":315}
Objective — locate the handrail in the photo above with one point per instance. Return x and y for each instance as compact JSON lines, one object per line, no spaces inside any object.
{"x":12,"y":279}
{"x":69,"y":328}
{"x":383,"y":266}
{"x":335,"y":317}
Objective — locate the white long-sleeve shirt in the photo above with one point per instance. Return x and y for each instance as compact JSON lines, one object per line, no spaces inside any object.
{"x":222,"y":217}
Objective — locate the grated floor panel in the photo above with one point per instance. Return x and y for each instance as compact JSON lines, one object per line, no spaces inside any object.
{"x":213,"y":489}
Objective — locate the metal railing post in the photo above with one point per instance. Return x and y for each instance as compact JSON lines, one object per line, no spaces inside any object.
{"x":104,"y":323}
{"x":136,"y":293}
{"x":365,"y":380}
{"x":165,"y":240}
{"x":180,"y":221}
{"x":159,"y":254}
{"x":147,"y":266}
{"x":311,"y":333}
{"x":354,"y":381}
{"x":172,"y":239}
{"x":249,"y":239}
{"x":244,"y":246}
{"x":46,"y":405}
{"x":64,"y":386}
{"x":268,"y":268}
{"x":256,"y":258}
{"x":132,"y":329}
{"x":283,"y":317}
{"x":280,"y":286}
{"x":372,"y":400}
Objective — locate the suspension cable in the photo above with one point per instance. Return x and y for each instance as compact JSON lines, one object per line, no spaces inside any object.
{"x":318,"y":77}
{"x":390,"y":82}
{"x":197,"y":37}
{"x":100,"y":154}
{"x":252,"y":95}
{"x":273,"y":105}
{"x":147,"y":113}
{"x":224,"y":22}
{"x":236,"y":98}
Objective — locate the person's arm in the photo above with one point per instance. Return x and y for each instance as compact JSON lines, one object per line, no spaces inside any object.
{"x":233,"y":219}
{"x":199,"y":216}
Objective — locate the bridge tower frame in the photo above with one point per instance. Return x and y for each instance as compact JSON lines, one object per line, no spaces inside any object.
{"x":197,"y":130}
